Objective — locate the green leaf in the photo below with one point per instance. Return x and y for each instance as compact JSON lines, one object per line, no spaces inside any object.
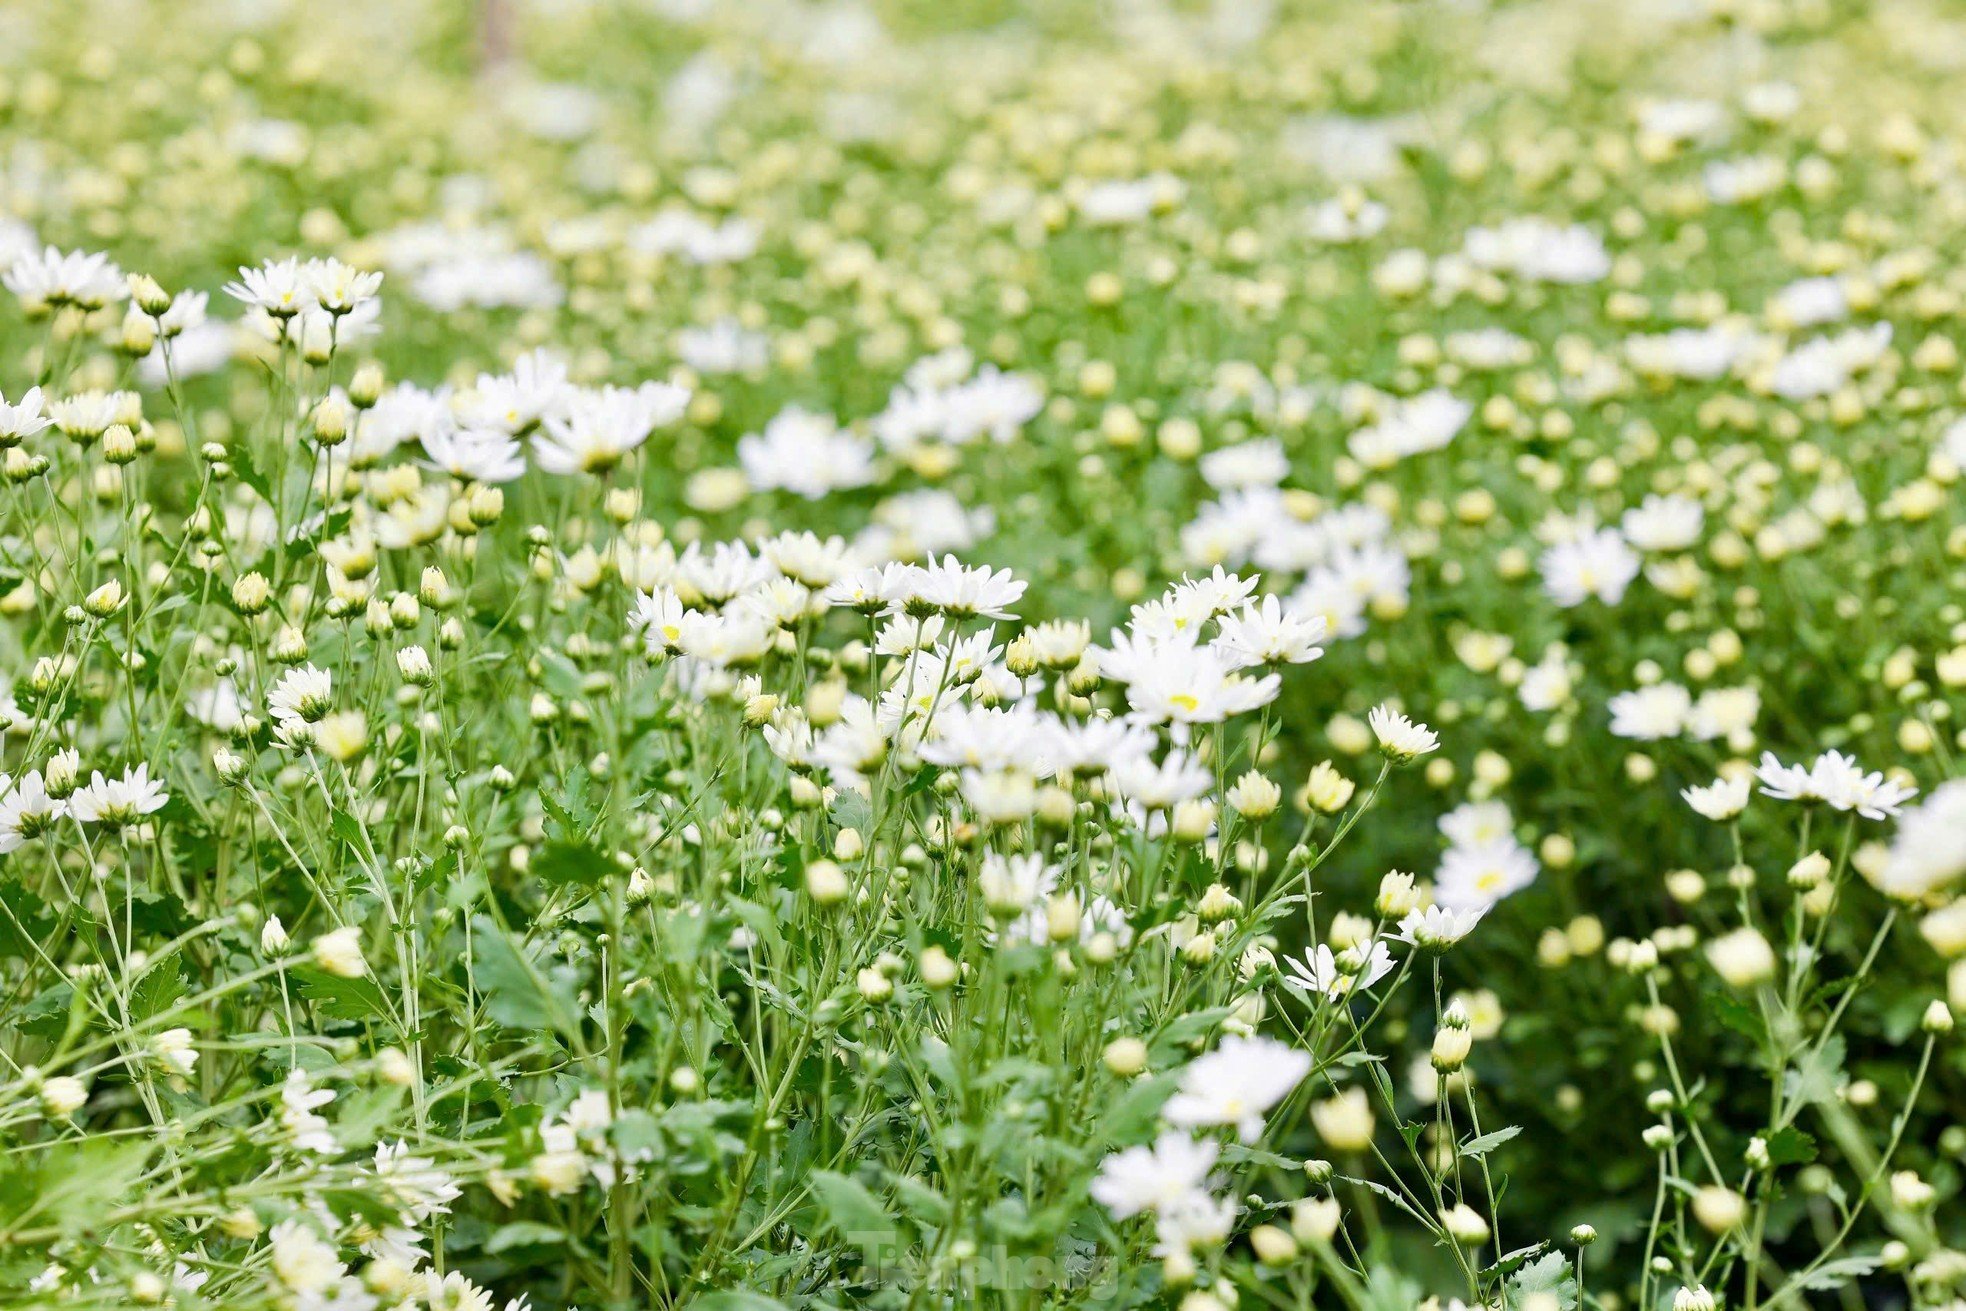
{"x":25,"y":920}
{"x":1836,"y":1274}
{"x":1548,"y":1274}
{"x":1237,"y":1154}
{"x":1791,"y":1146}
{"x":1513,"y":1261}
{"x":920,"y":1201}
{"x":851,"y":810}
{"x":853,"y":1212}
{"x":559,"y":675}
{"x":1488,"y":1142}
{"x":344,"y":999}
{"x":1133,"y":1113}
{"x":70,"y":1185}
{"x":240,"y":457}
{"x":1386,"y":1289}
{"x":1817,"y":1075}
{"x":524,"y":1233}
{"x":517,"y":994}
{"x":562,"y":863}
{"x":160,"y":988}
{"x":570,"y":815}
{"x":1736,"y":1015}
{"x":736,"y":1299}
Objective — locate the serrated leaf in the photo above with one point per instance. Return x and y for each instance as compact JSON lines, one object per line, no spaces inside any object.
{"x":1238,"y":1154}
{"x":1836,"y":1273}
{"x":1488,"y":1142}
{"x":570,"y":814}
{"x":344,"y":999}
{"x":735,"y":1299}
{"x":26,"y":923}
{"x":160,"y":988}
{"x":517,"y":992}
{"x":1548,"y":1274}
{"x":564,"y":863}
{"x":1510,"y":1262}
{"x":524,"y":1233}
{"x":1736,"y":1015}
{"x":1817,"y":1074}
{"x":920,"y":1200}
{"x":1791,"y":1146}
{"x":852,"y":1211}
{"x":70,"y":1185}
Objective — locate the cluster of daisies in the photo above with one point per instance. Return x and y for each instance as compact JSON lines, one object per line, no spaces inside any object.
{"x":800,"y":693}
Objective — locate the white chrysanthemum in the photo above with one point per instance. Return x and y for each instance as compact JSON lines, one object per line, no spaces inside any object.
{"x":23,"y":418}
{"x":1721,"y":800}
{"x":596,"y":429}
{"x":1929,"y":852}
{"x":117,"y":801}
{"x":806,"y":454}
{"x":1439,"y":927}
{"x":54,"y":277}
{"x":1650,"y":714}
{"x":1151,"y":1178}
{"x":1236,"y":1084}
{"x":303,"y":695}
{"x":1400,"y":738}
{"x":1325,"y":973}
{"x":1596,"y":564}
{"x":1477,"y":877}
{"x":26,"y":810}
{"x":1267,"y":632}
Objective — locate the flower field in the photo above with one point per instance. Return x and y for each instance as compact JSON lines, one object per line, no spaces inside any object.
{"x":813,"y":654}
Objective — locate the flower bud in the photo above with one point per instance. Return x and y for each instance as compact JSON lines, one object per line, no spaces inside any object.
{"x":1809,"y":871}
{"x":1719,"y":1209}
{"x":413,"y":663}
{"x":1125,"y":1057}
{"x":1315,"y":1220}
{"x":1327,"y":790}
{"x":138,"y":336}
{"x":826,"y":883}
{"x":1397,"y":896}
{"x":937,"y":969}
{"x":63,"y":773}
{"x":340,"y":953}
{"x":1743,"y":958}
{"x":1273,"y":1246}
{"x":1192,"y":820}
{"x":1217,"y":904}
{"x":251,"y":593}
{"x":1061,"y":917}
{"x":105,"y":601}
{"x":149,"y":295}
{"x":365,"y":388}
{"x":1344,"y":1121}
{"x":330,"y":422}
{"x":1255,"y":796}
{"x":1464,"y":1225}
{"x":1911,"y":1193}
{"x":62,"y":1096}
{"x":1694,"y":1298}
